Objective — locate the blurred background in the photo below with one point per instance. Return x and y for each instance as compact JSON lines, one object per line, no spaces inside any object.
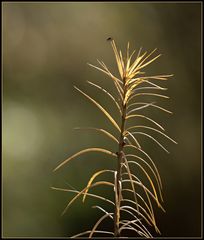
{"x":46,"y":48}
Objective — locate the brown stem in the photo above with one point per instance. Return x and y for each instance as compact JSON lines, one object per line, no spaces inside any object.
{"x":119,"y":167}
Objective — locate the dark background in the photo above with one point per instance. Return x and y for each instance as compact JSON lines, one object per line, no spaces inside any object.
{"x":46,"y":47}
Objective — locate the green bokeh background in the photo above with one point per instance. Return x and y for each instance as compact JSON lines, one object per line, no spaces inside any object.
{"x":46,"y":47}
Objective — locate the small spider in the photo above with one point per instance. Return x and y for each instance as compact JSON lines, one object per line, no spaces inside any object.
{"x":109,"y":39}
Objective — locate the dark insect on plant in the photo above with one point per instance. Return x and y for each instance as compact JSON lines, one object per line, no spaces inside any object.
{"x":134,"y":195}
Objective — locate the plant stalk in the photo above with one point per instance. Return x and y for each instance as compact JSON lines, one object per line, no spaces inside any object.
{"x":118,"y":186}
